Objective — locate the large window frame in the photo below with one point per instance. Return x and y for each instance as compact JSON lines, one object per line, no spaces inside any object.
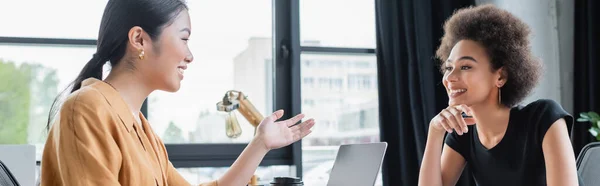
{"x":287,"y":94}
{"x":299,"y":49}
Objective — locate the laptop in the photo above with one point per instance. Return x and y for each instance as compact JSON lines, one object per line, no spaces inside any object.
{"x":357,"y":164}
{"x":20,"y":161}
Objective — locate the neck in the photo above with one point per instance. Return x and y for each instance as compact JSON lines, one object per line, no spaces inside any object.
{"x":491,"y":119}
{"x":131,"y":87}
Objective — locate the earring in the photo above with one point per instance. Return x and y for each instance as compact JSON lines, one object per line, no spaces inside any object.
{"x":499,"y":96}
{"x":141,"y":56}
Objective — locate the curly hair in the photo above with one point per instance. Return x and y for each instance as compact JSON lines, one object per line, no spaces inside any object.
{"x":505,"y":39}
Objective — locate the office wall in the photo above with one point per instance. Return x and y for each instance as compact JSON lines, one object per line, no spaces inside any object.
{"x":551,"y":22}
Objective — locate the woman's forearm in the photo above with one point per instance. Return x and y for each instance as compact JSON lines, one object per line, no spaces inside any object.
{"x":431,"y":173}
{"x":244,"y":167}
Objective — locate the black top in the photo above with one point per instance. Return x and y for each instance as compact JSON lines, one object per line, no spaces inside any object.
{"x":518,"y":158}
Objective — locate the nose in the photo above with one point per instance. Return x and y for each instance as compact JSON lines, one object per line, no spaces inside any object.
{"x":452,"y":76}
{"x":189,"y":58}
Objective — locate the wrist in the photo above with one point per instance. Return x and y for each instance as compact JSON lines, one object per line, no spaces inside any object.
{"x":435,"y":136}
{"x":436,"y":132}
{"x":259,"y":144}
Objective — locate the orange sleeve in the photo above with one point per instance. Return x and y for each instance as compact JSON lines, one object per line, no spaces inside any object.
{"x":82,"y":152}
{"x":174,"y":178}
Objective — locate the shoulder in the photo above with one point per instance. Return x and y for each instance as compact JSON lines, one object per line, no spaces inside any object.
{"x":543,"y":105}
{"x":86,"y":105}
{"x":542,"y":114}
{"x":545,"y":110}
{"x":541,"y":108}
{"x":86,"y":114}
{"x":84,"y":99}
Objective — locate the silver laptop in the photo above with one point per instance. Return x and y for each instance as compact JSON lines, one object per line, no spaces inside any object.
{"x":20,"y":161}
{"x":357,"y":164}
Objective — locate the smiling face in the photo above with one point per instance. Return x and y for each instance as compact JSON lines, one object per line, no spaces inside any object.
{"x":170,"y":55}
{"x":468,"y":77}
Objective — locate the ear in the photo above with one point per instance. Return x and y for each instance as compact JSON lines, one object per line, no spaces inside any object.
{"x":501,"y":77}
{"x":136,"y":38}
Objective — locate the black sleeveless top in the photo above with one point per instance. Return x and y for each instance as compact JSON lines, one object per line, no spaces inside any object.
{"x":518,"y":158}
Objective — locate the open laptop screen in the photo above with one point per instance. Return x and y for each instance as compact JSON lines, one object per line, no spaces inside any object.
{"x":357,"y":164}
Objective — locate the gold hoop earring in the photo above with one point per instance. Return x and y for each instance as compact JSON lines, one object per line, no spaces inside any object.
{"x":141,"y":55}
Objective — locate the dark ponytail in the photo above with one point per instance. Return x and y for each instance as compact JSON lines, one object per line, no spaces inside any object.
{"x":93,"y":69}
{"x":118,"y":18}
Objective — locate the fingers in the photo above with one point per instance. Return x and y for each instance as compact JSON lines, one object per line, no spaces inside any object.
{"x":442,"y":122}
{"x":304,"y":134}
{"x":451,"y":119}
{"x":459,"y":120}
{"x":275,"y":116}
{"x":469,"y":121}
{"x":292,"y":121}
{"x":302,"y":130}
{"x":467,"y":110}
{"x":451,"y":122}
{"x":304,"y":126}
{"x":295,"y":137}
{"x":464,"y":108}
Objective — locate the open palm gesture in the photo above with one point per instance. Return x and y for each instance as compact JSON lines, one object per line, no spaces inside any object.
{"x":276,"y":134}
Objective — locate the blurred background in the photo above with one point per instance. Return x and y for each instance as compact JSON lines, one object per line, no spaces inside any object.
{"x":363,"y":69}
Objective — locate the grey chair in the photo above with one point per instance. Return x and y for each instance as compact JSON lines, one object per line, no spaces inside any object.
{"x":6,"y":178}
{"x":588,"y":164}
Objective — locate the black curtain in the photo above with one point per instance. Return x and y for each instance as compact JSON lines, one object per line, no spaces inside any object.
{"x":586,"y":92}
{"x":410,"y":88}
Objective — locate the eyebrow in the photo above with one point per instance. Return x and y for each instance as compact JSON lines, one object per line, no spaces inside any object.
{"x":186,"y":30}
{"x":463,"y":58}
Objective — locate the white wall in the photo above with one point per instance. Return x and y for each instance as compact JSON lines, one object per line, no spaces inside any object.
{"x":551,"y":23}
{"x":566,"y":16}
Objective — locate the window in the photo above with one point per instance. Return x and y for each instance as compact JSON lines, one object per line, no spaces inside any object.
{"x":307,"y":63}
{"x":257,"y":52}
{"x":346,"y":102}
{"x":330,"y":64}
{"x":32,"y":76}
{"x":343,"y":115}
{"x":309,"y":102}
{"x":232,"y":56}
{"x":338,"y":23}
{"x":363,"y":64}
{"x":38,"y":60}
{"x":330,"y":83}
{"x":336,"y":83}
{"x":309,"y":82}
{"x":51,"y":19}
{"x":362,"y":82}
